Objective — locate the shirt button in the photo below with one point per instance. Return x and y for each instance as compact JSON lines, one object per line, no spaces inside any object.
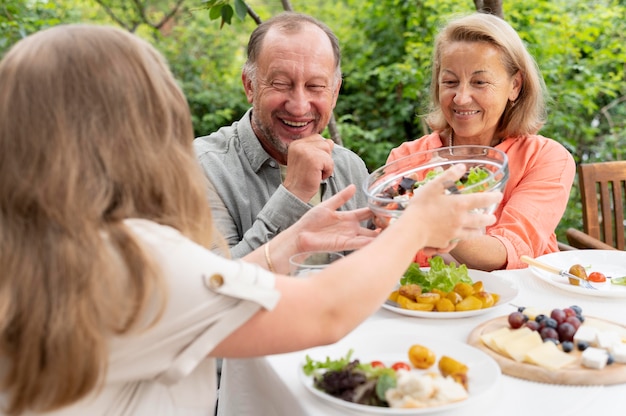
{"x":273,"y":163}
{"x":215,"y":281}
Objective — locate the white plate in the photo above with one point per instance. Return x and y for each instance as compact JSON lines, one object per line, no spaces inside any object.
{"x":610,"y":262}
{"x":492,"y":283}
{"x":392,"y":345}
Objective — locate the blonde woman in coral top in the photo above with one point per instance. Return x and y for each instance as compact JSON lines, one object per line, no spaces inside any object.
{"x":486,"y":90}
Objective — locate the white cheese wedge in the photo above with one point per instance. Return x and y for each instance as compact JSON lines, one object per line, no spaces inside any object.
{"x":549,"y":356}
{"x":595,"y":358}
{"x":586,"y":334}
{"x":604,"y":339}
{"x":518,"y":347}
{"x":618,"y":351}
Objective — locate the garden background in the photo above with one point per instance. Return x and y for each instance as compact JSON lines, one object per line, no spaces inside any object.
{"x":579,"y":45}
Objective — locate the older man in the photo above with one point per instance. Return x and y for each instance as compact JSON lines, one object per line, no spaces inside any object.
{"x":270,"y":167}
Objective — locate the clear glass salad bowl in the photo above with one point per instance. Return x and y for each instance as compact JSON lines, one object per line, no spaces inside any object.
{"x":390,"y":187}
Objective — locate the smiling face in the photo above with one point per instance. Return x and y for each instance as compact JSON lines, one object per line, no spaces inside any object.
{"x":474,"y":88}
{"x":295,"y":90}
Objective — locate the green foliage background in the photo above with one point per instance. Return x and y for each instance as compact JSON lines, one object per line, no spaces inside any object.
{"x":579,"y":45}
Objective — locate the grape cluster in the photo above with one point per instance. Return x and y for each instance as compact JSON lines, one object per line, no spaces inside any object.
{"x":559,"y":327}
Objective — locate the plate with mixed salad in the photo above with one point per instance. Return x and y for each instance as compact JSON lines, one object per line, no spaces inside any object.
{"x":449,"y":291}
{"x":367,"y":376}
{"x":608,"y":263}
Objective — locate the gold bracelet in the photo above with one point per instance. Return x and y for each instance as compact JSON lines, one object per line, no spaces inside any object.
{"x":268,"y":260}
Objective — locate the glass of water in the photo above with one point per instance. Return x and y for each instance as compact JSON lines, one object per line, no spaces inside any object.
{"x":305,"y":263}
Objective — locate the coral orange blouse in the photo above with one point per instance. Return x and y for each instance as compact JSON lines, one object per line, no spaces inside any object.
{"x":541,"y":174}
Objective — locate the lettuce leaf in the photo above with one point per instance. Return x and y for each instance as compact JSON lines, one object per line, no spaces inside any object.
{"x":311,"y":365}
{"x":474,"y":176}
{"x":440,"y":276}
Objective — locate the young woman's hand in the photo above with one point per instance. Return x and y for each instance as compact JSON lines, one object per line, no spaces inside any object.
{"x":449,"y":217}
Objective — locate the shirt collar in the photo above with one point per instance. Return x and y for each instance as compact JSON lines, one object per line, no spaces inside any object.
{"x":251,"y":144}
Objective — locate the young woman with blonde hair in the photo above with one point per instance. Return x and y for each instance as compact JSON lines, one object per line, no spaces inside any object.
{"x":111,"y":301}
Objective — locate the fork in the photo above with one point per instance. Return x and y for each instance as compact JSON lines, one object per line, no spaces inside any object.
{"x":583,"y":283}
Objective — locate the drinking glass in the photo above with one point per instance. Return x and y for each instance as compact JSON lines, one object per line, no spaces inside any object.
{"x":302,"y":264}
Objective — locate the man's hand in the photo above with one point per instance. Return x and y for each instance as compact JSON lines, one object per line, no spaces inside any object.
{"x":309,"y":161}
{"x":326,"y":228}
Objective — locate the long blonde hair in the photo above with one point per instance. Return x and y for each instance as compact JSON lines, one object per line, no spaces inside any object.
{"x":94,"y":130}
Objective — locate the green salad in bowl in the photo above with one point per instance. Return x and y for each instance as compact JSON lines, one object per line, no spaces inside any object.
{"x":390,"y":187}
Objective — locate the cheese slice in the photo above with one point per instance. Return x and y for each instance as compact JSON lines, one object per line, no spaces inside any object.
{"x":501,"y":341}
{"x":532,"y":313}
{"x":488,"y":337}
{"x":547,"y":355}
{"x":518,"y":347}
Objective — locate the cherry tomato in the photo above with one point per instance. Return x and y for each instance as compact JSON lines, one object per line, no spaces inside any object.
{"x":596,"y":277}
{"x":401,"y":366}
{"x":377,"y":364}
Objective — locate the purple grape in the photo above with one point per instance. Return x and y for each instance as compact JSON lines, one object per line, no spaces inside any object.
{"x":566,"y":332}
{"x":517,"y":319}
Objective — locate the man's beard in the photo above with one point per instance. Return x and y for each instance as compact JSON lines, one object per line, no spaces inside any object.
{"x":270,"y":137}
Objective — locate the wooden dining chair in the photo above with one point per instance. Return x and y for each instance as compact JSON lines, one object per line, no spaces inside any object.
{"x":603,"y":194}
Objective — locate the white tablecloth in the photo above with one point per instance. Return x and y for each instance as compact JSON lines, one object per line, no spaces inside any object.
{"x":271,"y":386}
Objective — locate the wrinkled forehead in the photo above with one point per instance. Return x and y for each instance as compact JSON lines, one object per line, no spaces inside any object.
{"x":307,"y":50}
{"x":304,"y":38}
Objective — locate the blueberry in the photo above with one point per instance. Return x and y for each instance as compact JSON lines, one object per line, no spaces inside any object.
{"x":582,"y":345}
{"x":577,"y":309}
{"x":551,"y":323}
{"x":540,"y":318}
{"x":610,"y":360}
{"x":567,"y":346}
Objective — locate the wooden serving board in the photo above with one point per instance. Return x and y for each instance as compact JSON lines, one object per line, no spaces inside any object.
{"x":574,"y":374}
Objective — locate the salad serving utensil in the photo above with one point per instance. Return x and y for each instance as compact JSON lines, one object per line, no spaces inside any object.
{"x":583,"y":283}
